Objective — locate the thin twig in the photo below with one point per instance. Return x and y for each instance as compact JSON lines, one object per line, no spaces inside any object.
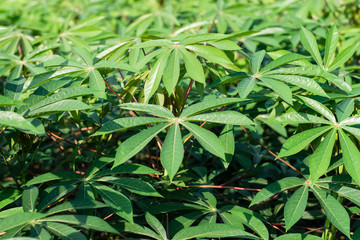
{"x":108,"y":85}
{"x":2,"y":130}
{"x":227,"y":187}
{"x":187,"y":94}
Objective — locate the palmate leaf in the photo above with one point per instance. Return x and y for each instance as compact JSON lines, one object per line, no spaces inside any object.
{"x":342,"y":57}
{"x":172,"y":152}
{"x":344,"y":109}
{"x":297,"y":142}
{"x":153,"y":109}
{"x":277,"y":187}
{"x":206,"y":138}
{"x":256,"y":60}
{"x":280,"y":88}
{"x":140,"y":230}
{"x":156,"y":225}
{"x":320,"y":159}
{"x":334,"y":211}
{"x":64,"y":231}
{"x":295,"y":206}
{"x":309,"y":42}
{"x":246,"y":86}
{"x":193,"y":66}
{"x":298,"y":236}
{"x":332,"y":39}
{"x":134,"y":144}
{"x":297,"y":118}
{"x":318,"y":107}
{"x":117,"y":201}
{"x":18,"y":220}
{"x":287,"y":58}
{"x":96,"y":83}
{"x":213,"y":230}
{"x":51,"y":176}
{"x":29,"y":198}
{"x":172,"y":71}
{"x":227,"y":140}
{"x":223,"y":117}
{"x":352,"y":194}
{"x":351,"y":156}
{"x":12,"y":119}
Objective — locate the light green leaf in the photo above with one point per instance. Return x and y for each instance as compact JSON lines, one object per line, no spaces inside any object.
{"x":19,"y":219}
{"x":141,"y":230}
{"x":213,"y":230}
{"x":280,"y":88}
{"x":111,"y":66}
{"x":193,"y":66}
{"x":334,"y":211}
{"x":295,"y":206}
{"x":245,"y":86}
{"x":256,"y":60}
{"x":320,"y":159}
{"x":344,"y":109}
{"x":134,"y":144}
{"x":288,"y":58}
{"x":206,"y":138}
{"x":125,"y":123}
{"x":153,"y":81}
{"x":154,"y":43}
{"x":153,"y":109}
{"x":318,"y":107}
{"x":135,"y":185}
{"x":213,"y":55}
{"x":45,"y":77}
{"x":85,"y":55}
{"x":60,"y":106}
{"x":197,"y":38}
{"x":227,"y":140}
{"x":172,"y":152}
{"x":353,"y":120}
{"x":84,"y":221}
{"x":351,"y":156}
{"x":297,"y":142}
{"x":302,"y":82}
{"x":276,"y":187}
{"x":29,"y":198}
{"x":332,"y":39}
{"x":276,"y":54}
{"x":309,"y":42}
{"x":172,"y":71}
{"x":96,"y":82}
{"x":224,"y":117}
{"x":118,"y":202}
{"x":51,"y":176}
{"x":208,"y":105}
{"x":12,"y":119}
{"x":6,"y":101}
{"x":342,"y":57}
{"x":64,"y":231}
{"x":156,"y":225}
{"x":298,"y":118}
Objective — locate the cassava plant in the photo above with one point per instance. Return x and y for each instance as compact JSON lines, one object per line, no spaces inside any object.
{"x":179,"y":120}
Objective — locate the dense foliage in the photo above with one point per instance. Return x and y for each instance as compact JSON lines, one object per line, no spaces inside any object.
{"x":179,"y":119}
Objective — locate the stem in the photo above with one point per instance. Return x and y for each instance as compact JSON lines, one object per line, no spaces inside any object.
{"x":187,"y":94}
{"x":148,"y":65}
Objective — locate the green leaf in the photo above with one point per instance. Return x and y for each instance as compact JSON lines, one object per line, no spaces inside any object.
{"x":154,"y":43}
{"x":224,"y":117}
{"x":76,"y":205}
{"x":297,"y":118}
{"x":206,"y":138}
{"x":287,"y":58}
{"x":85,"y":55}
{"x":64,"y":232}
{"x":280,"y":88}
{"x":342,"y":57}
{"x":156,"y":225}
{"x":332,"y":39}
{"x":213,"y":230}
{"x":60,"y":106}
{"x":245,"y":86}
{"x":208,"y":105}
{"x":6,"y":101}
{"x":67,"y":93}
{"x":45,"y":77}
{"x":51,"y":176}
{"x":295,"y":206}
{"x":309,"y":42}
{"x":334,"y":211}
{"x":128,"y":168}
{"x":276,"y":54}
{"x":249,"y":219}
{"x":197,"y":38}
{"x":172,"y":71}
{"x":125,"y":123}
{"x":118,"y":202}
{"x":134,"y":144}
{"x":153,"y":109}
{"x":320,"y":159}
{"x":276,"y":187}
{"x":351,"y":156}
{"x":109,"y":66}
{"x":297,"y":142}
{"x":302,"y":82}
{"x":29,"y":198}
{"x":172,"y":152}
{"x":19,"y":219}
{"x":7,"y":196}
{"x":84,"y":221}
{"x":15,"y":120}
{"x":256,"y":60}
{"x":344,"y":109}
{"x":153,"y":81}
{"x":213,"y":55}
{"x":141,"y":230}
{"x":227,"y":140}
{"x":349,"y":193}
{"x":318,"y":107}
{"x":193,"y":66}
{"x":97,"y":84}
{"x":298,"y":236}
{"x":135,"y":185}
